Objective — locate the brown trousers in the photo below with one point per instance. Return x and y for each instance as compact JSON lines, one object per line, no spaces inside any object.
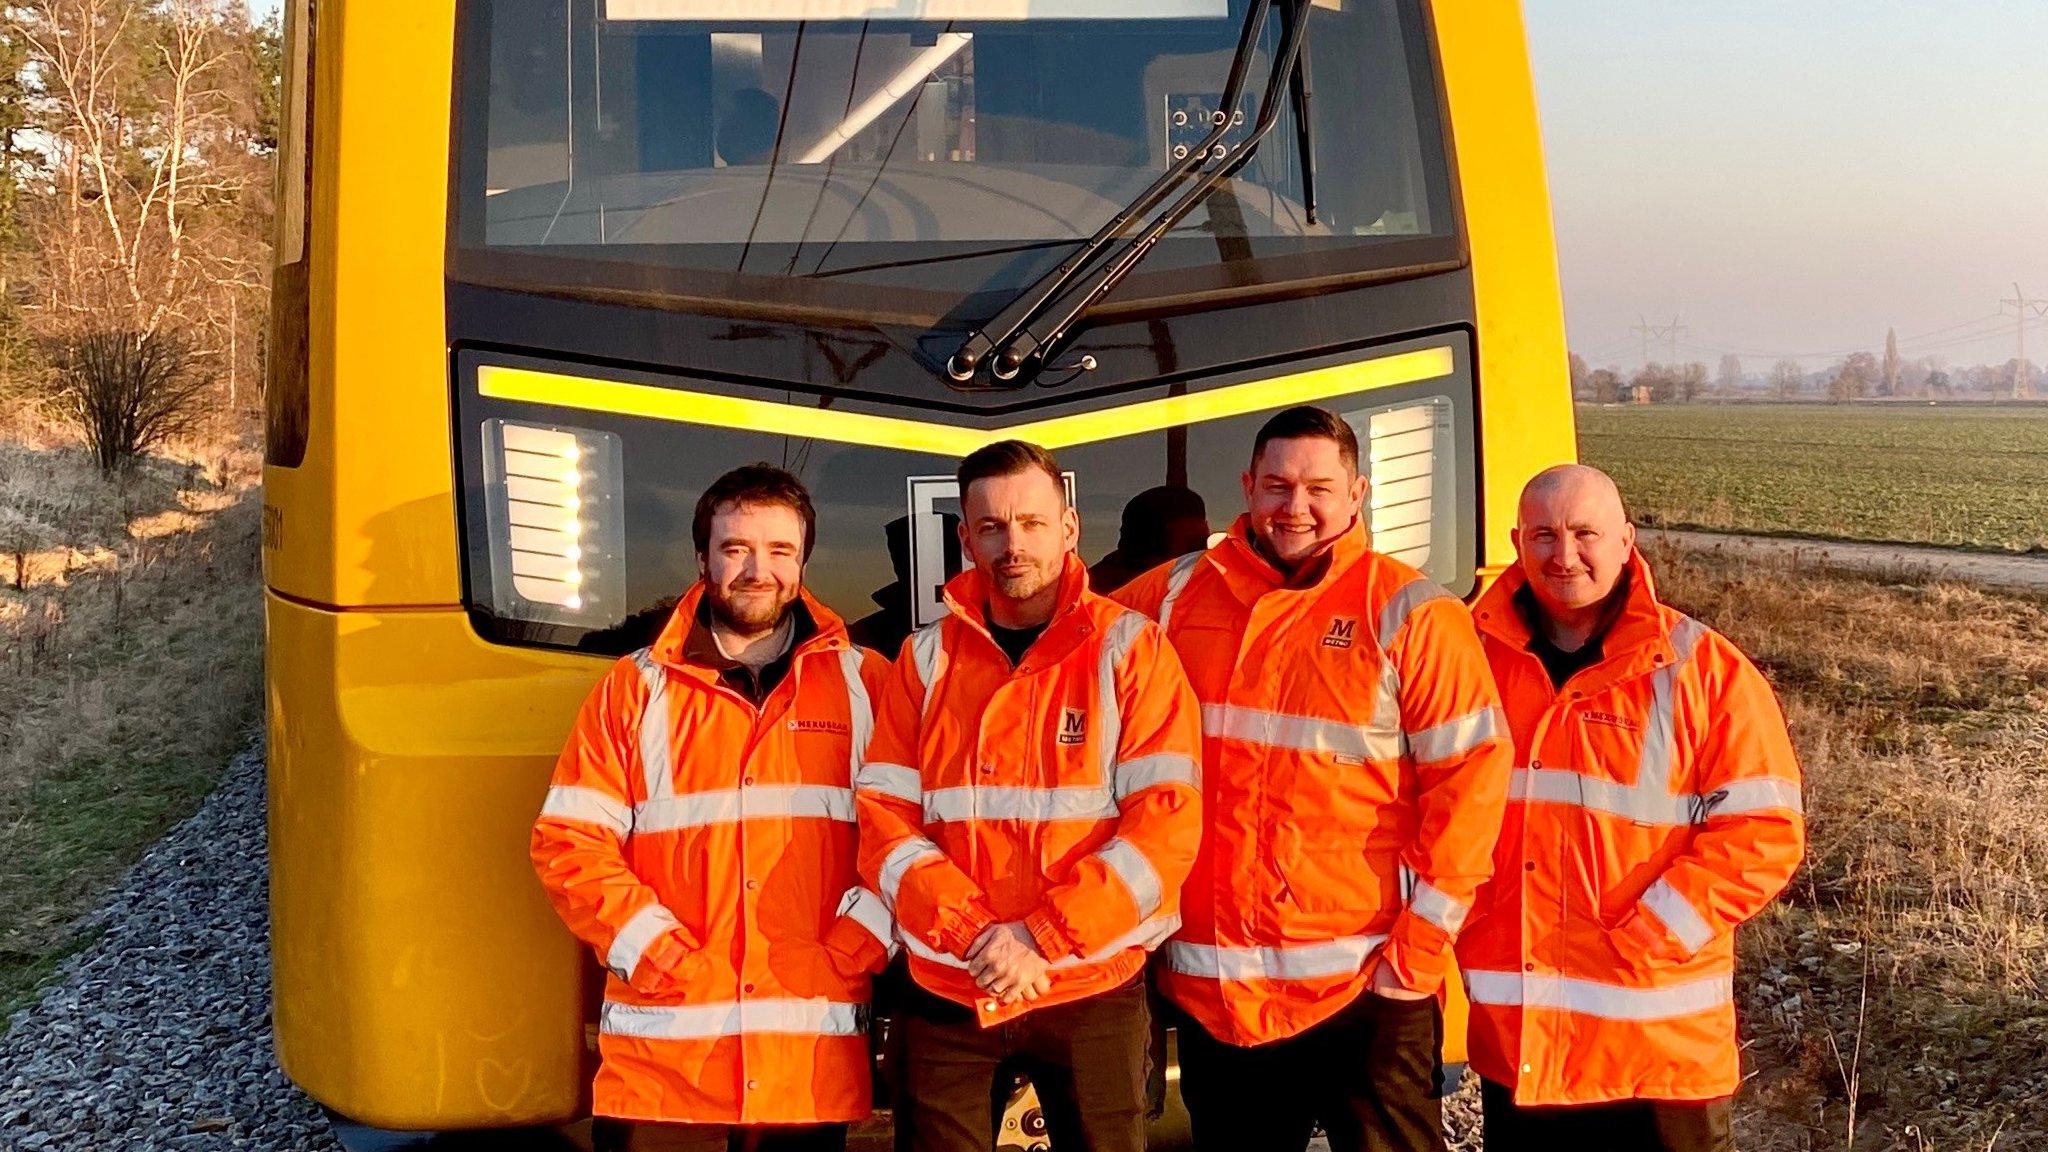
{"x":1624,"y":1126}
{"x":610,"y":1135}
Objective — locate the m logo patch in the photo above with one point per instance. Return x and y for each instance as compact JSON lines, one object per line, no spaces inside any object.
{"x":1073,"y":726}
{"x":1342,"y":628}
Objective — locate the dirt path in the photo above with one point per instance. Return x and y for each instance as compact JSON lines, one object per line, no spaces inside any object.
{"x":2015,"y":571}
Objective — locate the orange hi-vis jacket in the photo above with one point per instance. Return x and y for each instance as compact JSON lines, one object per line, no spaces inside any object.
{"x":1656,"y":807}
{"x":706,"y":849}
{"x":1354,"y":768}
{"x":1063,"y":793}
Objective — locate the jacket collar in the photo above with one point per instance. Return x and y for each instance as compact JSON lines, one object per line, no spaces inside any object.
{"x":1639,"y":637}
{"x":1250,"y":575}
{"x":966,"y":596}
{"x":819,"y":629}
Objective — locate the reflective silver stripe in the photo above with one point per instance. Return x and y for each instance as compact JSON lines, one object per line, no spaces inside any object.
{"x":1643,"y":805}
{"x":1177,"y":579}
{"x":1455,"y":737}
{"x":1386,"y":708}
{"x":1116,"y":645}
{"x":731,"y":1018}
{"x":1344,"y":956}
{"x":928,"y":653}
{"x":1429,"y":902}
{"x":632,"y":940}
{"x":1762,"y":794}
{"x":1134,"y":776}
{"x":1677,"y":913}
{"x":1137,"y":873}
{"x":893,"y":780}
{"x":1146,"y":935}
{"x":656,"y":753}
{"x":867,"y":910}
{"x":1027,"y":804}
{"x":860,"y":711}
{"x":1402,"y":604}
{"x":732,"y":805}
{"x":900,"y":861}
{"x":587,"y":806}
{"x":1278,"y":730}
{"x":1660,"y":727}
{"x":1606,"y":1001}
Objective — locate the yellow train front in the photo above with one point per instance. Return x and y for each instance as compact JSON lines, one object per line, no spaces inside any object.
{"x":547,"y":267}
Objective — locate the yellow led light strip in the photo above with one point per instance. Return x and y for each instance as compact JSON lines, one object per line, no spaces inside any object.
{"x":644,"y":400}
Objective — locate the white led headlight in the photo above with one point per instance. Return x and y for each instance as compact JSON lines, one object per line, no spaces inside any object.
{"x":1411,"y":500}
{"x":557,"y":523}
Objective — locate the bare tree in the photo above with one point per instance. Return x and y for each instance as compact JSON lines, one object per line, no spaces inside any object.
{"x":1578,"y":376}
{"x":1786,"y":378}
{"x":128,"y":390}
{"x":1853,"y":377}
{"x":1605,"y":384}
{"x":1890,"y":384}
{"x":1730,"y":376}
{"x":1691,"y":381}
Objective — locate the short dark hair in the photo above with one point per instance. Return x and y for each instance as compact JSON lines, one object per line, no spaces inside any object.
{"x":754,"y":484}
{"x":1007,"y":458}
{"x":1309,"y":422}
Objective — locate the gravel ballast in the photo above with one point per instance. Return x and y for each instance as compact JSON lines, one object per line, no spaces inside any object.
{"x":157,"y":1034}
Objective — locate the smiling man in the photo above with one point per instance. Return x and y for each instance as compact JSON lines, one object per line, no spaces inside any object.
{"x":699,"y":836}
{"x":1656,"y":808}
{"x":1354,"y":770}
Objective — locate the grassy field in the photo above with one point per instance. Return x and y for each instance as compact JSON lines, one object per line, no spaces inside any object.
{"x":130,"y":669}
{"x":1963,"y":475}
{"x":1906,"y":970}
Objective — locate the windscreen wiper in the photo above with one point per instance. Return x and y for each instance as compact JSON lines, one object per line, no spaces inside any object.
{"x":1022,"y":308}
{"x":1008,"y":346}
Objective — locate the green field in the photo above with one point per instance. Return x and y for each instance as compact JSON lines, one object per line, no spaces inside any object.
{"x":1959,"y":475}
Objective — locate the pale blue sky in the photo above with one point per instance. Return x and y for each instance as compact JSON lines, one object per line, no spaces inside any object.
{"x":1793,"y":175}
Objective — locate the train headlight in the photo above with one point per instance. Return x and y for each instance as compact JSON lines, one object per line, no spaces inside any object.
{"x":1411,"y":499}
{"x":553,"y":496}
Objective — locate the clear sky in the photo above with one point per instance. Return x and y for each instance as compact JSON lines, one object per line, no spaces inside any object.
{"x":1796,"y":175}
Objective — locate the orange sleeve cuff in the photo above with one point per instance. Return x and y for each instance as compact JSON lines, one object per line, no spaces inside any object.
{"x":1052,"y":940}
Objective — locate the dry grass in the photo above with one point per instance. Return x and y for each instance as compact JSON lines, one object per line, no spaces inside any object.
{"x":130,"y":667}
{"x":1910,"y":958}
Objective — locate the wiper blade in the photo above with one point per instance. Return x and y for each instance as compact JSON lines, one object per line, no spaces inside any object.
{"x":1022,"y":308}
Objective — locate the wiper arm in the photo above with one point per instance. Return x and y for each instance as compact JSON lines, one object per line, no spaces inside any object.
{"x":1005,"y":325}
{"x":1304,"y":94}
{"x":1068,"y":302}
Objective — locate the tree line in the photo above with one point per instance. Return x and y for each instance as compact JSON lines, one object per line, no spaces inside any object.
{"x":136,"y":151}
{"x":1857,"y":376}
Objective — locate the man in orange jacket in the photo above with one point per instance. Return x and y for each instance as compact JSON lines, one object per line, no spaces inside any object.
{"x":1656,"y":807}
{"x":1354,"y":770}
{"x":1028,"y":809}
{"x":700,"y":836}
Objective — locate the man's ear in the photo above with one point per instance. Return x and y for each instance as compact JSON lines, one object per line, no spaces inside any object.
{"x":1515,"y":539}
{"x":1628,"y":533}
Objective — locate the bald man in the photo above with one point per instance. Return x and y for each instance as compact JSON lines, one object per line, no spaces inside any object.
{"x":1654,"y":807}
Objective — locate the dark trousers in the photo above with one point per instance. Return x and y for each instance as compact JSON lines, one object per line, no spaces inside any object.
{"x":1625,"y":1126}
{"x":1086,"y":1058}
{"x":1367,"y":1074}
{"x":610,"y":1135}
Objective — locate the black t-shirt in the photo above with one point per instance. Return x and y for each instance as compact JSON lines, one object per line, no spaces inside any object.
{"x":1015,"y":641}
{"x":1560,"y":664}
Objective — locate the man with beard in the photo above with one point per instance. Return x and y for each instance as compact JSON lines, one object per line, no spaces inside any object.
{"x":1657,"y":809}
{"x":699,"y":835}
{"x":1028,"y":808}
{"x":1352,"y":783}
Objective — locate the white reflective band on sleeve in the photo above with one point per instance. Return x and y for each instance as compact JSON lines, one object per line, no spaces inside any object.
{"x":1116,"y":645}
{"x":1762,"y":794}
{"x":1591,"y":998}
{"x":1177,"y":579}
{"x":1403,"y":604}
{"x":1642,"y":805}
{"x":892,"y":780}
{"x":733,"y":805}
{"x":860,"y":711}
{"x":732,"y":1018}
{"x":1137,"y":873}
{"x":587,"y":806}
{"x":901,"y":860}
{"x":656,"y":754}
{"x":1032,"y":805}
{"x":1344,"y":956}
{"x":1428,"y":902}
{"x":1303,"y":733}
{"x":1134,"y":776}
{"x":633,"y":939}
{"x":1653,"y":772}
{"x":868,"y":911}
{"x":1146,"y":935}
{"x":1455,"y":737}
{"x":928,"y":653}
{"x":1677,"y":913}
